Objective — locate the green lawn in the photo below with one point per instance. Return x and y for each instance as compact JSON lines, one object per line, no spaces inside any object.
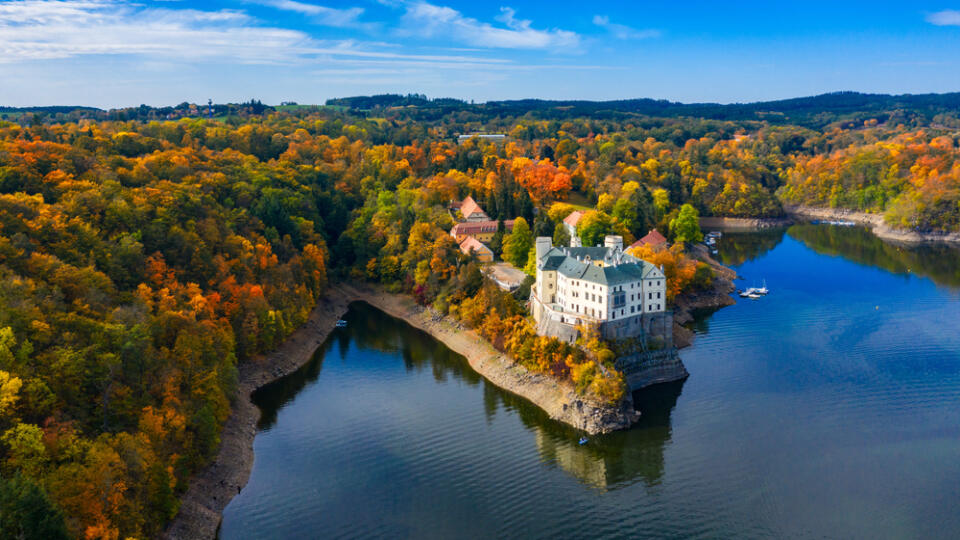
{"x":579,"y":201}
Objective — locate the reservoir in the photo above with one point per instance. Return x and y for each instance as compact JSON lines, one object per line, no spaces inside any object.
{"x":828,"y":409}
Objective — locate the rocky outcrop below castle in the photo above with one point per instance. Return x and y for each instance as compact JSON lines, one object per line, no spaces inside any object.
{"x":653,"y":367}
{"x":875,"y":223}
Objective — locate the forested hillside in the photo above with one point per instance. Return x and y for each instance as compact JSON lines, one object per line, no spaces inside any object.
{"x":142,"y":261}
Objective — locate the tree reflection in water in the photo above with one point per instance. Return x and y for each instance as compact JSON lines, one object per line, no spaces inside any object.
{"x":736,"y":248}
{"x":939,"y":262}
{"x":607,"y":461}
{"x":617,"y":459}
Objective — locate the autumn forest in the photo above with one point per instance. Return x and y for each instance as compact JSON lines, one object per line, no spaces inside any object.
{"x":145,"y":254}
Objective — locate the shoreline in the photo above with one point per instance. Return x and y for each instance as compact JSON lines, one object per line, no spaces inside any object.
{"x":714,"y":298}
{"x":212,"y":488}
{"x":735,"y":224}
{"x":875,"y":223}
{"x":557,"y":398}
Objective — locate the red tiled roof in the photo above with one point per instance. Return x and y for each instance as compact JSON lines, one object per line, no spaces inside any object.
{"x":653,"y":238}
{"x":469,"y":206}
{"x":573,"y":218}
{"x":472,"y":244}
{"x":478,"y":227}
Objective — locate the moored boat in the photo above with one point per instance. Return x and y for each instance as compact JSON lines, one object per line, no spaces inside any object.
{"x":762,"y":290}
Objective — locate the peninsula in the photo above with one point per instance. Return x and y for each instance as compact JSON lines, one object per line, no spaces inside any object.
{"x":151,"y":258}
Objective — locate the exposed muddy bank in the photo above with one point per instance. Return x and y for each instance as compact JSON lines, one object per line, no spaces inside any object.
{"x":875,"y":223}
{"x":212,"y":489}
{"x":557,"y":398}
{"x":742,"y":224}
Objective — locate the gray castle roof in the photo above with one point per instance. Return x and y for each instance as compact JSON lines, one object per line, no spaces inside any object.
{"x":577,"y":263}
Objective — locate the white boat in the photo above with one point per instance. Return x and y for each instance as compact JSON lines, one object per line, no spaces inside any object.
{"x":748,"y":292}
{"x":754,"y":295}
{"x":762,"y":290}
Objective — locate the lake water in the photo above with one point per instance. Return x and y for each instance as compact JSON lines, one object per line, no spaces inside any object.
{"x":828,"y":409}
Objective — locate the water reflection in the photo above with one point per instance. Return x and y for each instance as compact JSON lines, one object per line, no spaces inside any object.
{"x":607,"y":461}
{"x":826,"y":409}
{"x":939,"y":262}
{"x":617,"y":459}
{"x":736,"y":248}
{"x":368,"y":328}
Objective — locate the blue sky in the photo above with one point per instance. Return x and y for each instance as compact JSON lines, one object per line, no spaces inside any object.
{"x":112,"y":53}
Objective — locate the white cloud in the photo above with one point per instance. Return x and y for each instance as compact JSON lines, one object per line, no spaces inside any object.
{"x":426,"y":20}
{"x":621,"y":31}
{"x":343,"y":18}
{"x":42,"y":29}
{"x":947,"y":17}
{"x":114,"y":52}
{"x":33,"y":30}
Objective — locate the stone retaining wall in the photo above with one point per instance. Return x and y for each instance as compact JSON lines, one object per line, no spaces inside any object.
{"x":653,"y":367}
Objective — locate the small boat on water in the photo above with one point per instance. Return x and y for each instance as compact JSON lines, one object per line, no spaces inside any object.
{"x":755,"y":292}
{"x":341,"y":323}
{"x":583,"y":441}
{"x":762,"y":290}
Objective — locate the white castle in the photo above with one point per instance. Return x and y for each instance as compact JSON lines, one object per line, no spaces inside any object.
{"x":625,"y":296}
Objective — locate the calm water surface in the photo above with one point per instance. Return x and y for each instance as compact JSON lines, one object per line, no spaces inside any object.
{"x":830,"y":408}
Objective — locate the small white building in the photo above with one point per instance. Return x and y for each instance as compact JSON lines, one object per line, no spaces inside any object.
{"x":485,"y":137}
{"x":596,"y":285}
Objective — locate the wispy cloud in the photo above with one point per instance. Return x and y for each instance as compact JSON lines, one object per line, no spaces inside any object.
{"x":326,"y":16}
{"x":41,"y":29}
{"x":425,"y":20}
{"x":947,"y":17}
{"x":621,"y":31}
{"x":33,"y":30}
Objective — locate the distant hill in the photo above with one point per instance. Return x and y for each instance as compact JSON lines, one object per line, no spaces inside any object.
{"x":844,"y":108}
{"x":811,"y":111}
{"x":49,"y":110}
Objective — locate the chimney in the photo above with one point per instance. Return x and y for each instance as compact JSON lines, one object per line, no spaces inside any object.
{"x":543,"y":245}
